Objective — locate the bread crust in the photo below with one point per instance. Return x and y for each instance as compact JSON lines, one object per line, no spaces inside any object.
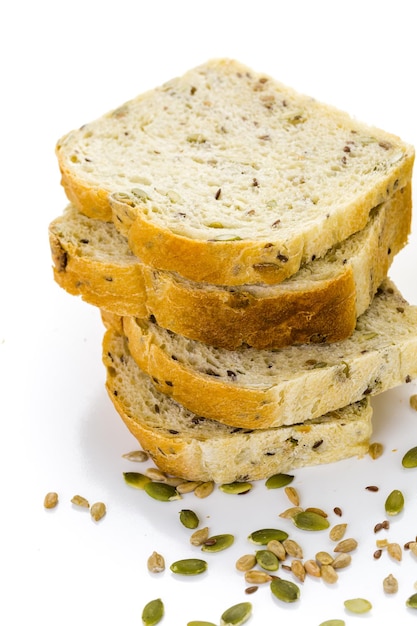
{"x":296,"y":313}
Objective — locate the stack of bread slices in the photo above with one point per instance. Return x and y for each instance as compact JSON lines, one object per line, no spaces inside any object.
{"x":237,"y":238}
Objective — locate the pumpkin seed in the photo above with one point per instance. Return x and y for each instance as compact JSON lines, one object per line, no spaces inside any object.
{"x":236,"y":615}
{"x":98,"y":511}
{"x":310,"y":520}
{"x":411,"y":602}
{"x":278,"y":480}
{"x":80,"y":501}
{"x":409,"y":459}
{"x":137,"y":456}
{"x":267,"y":560}
{"x":153,"y":612}
{"x":358,"y":605}
{"x":333,"y":622}
{"x":162,"y":491}
{"x":51,"y":500}
{"x":285,"y":590}
{"x":246,"y":562}
{"x":394,"y":503}
{"x":136,"y":479}
{"x":263,"y":536}
{"x":189,"y":519}
{"x":199,"y":623}
{"x":217,"y":543}
{"x":199,"y":536}
{"x":413,"y":401}
{"x":189,"y":567}
{"x":236,"y":487}
{"x":156,"y":563}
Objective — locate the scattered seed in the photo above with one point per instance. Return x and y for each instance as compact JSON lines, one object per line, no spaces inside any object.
{"x":204,"y":489}
{"x":263,"y":536}
{"x":373,"y":488}
{"x":394,"y":503}
{"x":385,"y":524}
{"x":199,"y":623}
{"x":156,"y":563}
{"x":137,"y":456}
{"x":267,"y":560}
{"x":136,"y":479}
{"x":382,"y":543}
{"x":279,"y":480}
{"x":174,"y":481}
{"x":199,"y":536}
{"x":257,"y":577}
{"x":162,"y":491}
{"x":313,"y":509}
{"x":285,"y":590}
{"x":337,"y":511}
{"x":310,"y":520}
{"x":292,"y":548}
{"x":153,"y":612}
{"x":98,"y":511}
{"x":413,"y":401}
{"x":236,"y":615}
{"x":298,"y":569}
{"x":277,"y":548}
{"x":187,"y":487}
{"x":358,"y":605}
{"x":236,"y":488}
{"x":395,"y":551}
{"x":189,"y":519}
{"x":324,"y":558}
{"x":156,"y":474}
{"x":333,"y":622}
{"x":80,"y":501}
{"x":409,"y":459}
{"x":246,"y":562}
{"x":292,"y":495}
{"x":337,"y":532}
{"x":390,"y":584}
{"x":329,"y":574}
{"x":217,"y":543}
{"x":413,"y":547}
{"x":411,"y":602}
{"x":50,"y":500}
{"x":312,"y":568}
{"x":341,"y":560}
{"x":378,"y":527}
{"x":346,"y":545}
{"x":289,"y":513}
{"x":189,"y":567}
{"x":251,"y":589}
{"x":377,"y":554}
{"x":375,"y":450}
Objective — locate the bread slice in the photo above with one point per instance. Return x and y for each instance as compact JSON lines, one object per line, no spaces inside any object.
{"x":320,"y":302}
{"x":194,"y":448}
{"x":250,"y":388}
{"x":228,"y":177}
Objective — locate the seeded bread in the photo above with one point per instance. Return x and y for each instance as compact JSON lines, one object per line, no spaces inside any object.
{"x":319,"y":303}
{"x":189,"y":446}
{"x":251,"y":388}
{"x":230,"y":178}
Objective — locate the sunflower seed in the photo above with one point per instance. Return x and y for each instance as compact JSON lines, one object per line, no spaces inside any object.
{"x":310,"y":520}
{"x":257,"y":577}
{"x":98,"y":511}
{"x":279,"y":480}
{"x":289,"y":513}
{"x":236,"y":615}
{"x":156,"y":474}
{"x":358,"y":605}
{"x":337,"y":532}
{"x":189,"y":519}
{"x":162,"y":491}
{"x":285,"y":590}
{"x":298,"y":569}
{"x":409,"y":459}
{"x":204,"y":489}
{"x":137,"y":456}
{"x":51,"y":500}
{"x":394,"y":503}
{"x":390,"y":584}
{"x":341,"y":560}
{"x":136,"y":479}
{"x":199,"y":536}
{"x":188,"y":567}
{"x":187,"y":487}
{"x":277,"y":548}
{"x":153,"y":612}
{"x":292,"y":495}
{"x":346,"y":545}
{"x":329,"y":574}
{"x":312,"y":568}
{"x":324,"y":558}
{"x":156,"y":563}
{"x":217,"y":543}
{"x":80,"y":501}
{"x":263,"y":536}
{"x":292,"y":548}
{"x":246,"y":562}
{"x":267,"y":560}
{"x":313,"y":509}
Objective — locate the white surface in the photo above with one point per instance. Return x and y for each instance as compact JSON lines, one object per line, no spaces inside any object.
{"x":64,"y":64}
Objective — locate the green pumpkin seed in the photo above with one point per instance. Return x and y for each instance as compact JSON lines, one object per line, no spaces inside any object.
{"x":236,"y":487}
{"x":237,"y":614}
{"x":333,"y":622}
{"x":136,"y":479}
{"x":411,"y":602}
{"x":267,"y":560}
{"x":358,"y":605}
{"x":308,"y":520}
{"x":199,"y":623}
{"x":263,"y":536}
{"x":153,"y":612}
{"x":189,"y":519}
{"x":189,"y":567}
{"x":217,"y":543}
{"x":394,"y":504}
{"x":285,"y":590}
{"x":278,"y":480}
{"x":410,"y":458}
{"x":161,"y":491}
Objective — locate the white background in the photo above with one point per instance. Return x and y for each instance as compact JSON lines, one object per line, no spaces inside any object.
{"x":63,"y":64}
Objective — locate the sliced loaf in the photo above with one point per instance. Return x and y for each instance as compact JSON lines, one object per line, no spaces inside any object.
{"x":228,"y":177}
{"x":319,"y":303}
{"x":189,"y":446}
{"x":251,"y":388}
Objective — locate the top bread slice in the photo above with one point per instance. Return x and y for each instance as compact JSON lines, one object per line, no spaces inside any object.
{"x":321,"y":302}
{"x":228,"y":177}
